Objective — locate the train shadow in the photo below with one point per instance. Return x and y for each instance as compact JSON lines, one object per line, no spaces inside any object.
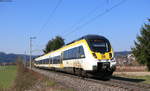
{"x":102,"y":79}
{"x":127,"y":79}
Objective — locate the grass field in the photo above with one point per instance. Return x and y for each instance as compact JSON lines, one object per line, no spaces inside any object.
{"x":19,"y":78}
{"x":7,"y":76}
{"x":145,"y":78}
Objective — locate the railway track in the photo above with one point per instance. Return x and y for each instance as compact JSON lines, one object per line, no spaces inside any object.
{"x":77,"y":82}
{"x":131,"y":86}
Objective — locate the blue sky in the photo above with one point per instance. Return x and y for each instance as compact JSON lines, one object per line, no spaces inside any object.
{"x":21,"y":19}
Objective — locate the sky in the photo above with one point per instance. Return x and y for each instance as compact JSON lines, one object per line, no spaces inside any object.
{"x":71,"y":19}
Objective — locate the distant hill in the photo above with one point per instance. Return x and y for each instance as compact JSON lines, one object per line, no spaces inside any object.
{"x":11,"y":57}
{"x":122,"y":53}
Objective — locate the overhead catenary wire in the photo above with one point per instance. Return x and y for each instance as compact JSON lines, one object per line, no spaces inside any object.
{"x":84,"y":17}
{"x":50,"y":16}
{"x":94,"y":18}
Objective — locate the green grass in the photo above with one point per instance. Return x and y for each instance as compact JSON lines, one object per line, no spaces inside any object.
{"x":19,"y":78}
{"x":7,"y":76}
{"x":145,"y":78}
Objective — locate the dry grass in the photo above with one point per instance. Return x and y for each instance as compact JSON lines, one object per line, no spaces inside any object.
{"x":28,"y":80}
{"x":131,"y":68}
{"x":25,"y":78}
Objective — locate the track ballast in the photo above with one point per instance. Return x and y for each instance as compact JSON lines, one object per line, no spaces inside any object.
{"x":93,"y":84}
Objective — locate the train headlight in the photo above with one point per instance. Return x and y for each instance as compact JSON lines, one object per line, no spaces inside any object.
{"x":94,"y":55}
{"x":110,"y":55}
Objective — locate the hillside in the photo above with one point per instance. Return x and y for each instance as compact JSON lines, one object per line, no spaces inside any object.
{"x":122,"y":53}
{"x":11,"y":57}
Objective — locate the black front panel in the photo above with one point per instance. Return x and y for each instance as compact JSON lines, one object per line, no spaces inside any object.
{"x":98,"y":43}
{"x":103,"y":66}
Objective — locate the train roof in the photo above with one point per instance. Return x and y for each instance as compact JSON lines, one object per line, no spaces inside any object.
{"x":88,"y":37}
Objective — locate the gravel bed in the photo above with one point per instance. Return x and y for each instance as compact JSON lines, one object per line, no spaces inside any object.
{"x":78,"y":84}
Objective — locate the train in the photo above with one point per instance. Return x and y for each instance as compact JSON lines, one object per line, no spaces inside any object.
{"x":90,"y":54}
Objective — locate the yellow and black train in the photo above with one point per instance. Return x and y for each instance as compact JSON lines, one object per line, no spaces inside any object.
{"x":90,"y":54}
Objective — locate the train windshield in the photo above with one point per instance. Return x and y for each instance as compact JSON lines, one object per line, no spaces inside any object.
{"x":98,"y":45}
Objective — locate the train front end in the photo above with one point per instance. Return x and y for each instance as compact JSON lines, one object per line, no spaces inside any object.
{"x":103,"y":54}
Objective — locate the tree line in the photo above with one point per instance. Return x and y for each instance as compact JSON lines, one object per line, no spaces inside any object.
{"x":141,"y":50}
{"x":54,"y":44}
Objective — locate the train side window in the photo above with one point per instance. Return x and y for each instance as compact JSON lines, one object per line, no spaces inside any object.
{"x":66,"y":55}
{"x":52,"y":60}
{"x":74,"y":53}
{"x":41,"y":61}
{"x":71,"y":54}
{"x":49,"y":60}
{"x":61,"y":58}
{"x":44,"y":61}
{"x":81,"y":52}
{"x":56,"y":60}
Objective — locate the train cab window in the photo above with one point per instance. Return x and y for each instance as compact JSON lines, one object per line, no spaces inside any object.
{"x":98,"y":45}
